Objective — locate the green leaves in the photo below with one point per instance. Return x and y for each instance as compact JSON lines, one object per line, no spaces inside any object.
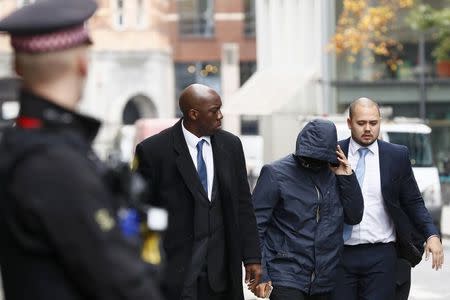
{"x":424,"y":17}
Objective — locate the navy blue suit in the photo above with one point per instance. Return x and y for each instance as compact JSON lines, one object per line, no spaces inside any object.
{"x":404,"y":203}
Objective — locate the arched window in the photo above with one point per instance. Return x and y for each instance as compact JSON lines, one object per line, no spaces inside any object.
{"x":139,"y":106}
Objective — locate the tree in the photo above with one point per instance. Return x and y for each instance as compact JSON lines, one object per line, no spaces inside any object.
{"x":366,"y":24}
{"x":424,"y":18}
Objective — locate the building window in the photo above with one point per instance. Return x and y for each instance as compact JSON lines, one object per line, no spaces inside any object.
{"x":196,"y":17}
{"x":249,"y":125}
{"x":119,"y":14}
{"x":207,"y":73}
{"x":141,"y":14}
{"x":246,"y":69}
{"x":139,"y":106}
{"x":250,"y":18}
{"x":402,"y":63}
{"x":21,"y":3}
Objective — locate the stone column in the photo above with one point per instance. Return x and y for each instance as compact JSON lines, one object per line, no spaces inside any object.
{"x":230,"y":81}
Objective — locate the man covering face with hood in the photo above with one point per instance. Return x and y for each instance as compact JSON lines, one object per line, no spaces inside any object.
{"x":301,"y":202}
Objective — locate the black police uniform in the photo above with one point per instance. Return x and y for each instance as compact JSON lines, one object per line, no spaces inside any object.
{"x":60,"y":237}
{"x":59,"y":232}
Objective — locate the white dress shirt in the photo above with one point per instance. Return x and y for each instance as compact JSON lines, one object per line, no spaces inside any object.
{"x":192,"y":141}
{"x":376,"y":225}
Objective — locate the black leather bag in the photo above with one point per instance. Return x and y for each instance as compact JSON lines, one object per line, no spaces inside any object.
{"x":411,"y":247}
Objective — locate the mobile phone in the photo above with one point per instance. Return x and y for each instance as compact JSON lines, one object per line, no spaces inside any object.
{"x":268,"y":291}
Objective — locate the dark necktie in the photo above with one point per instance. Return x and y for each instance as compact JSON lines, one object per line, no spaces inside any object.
{"x":360,"y":171}
{"x":201,"y":166}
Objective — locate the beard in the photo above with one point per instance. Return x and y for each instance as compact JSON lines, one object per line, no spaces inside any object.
{"x":363,"y":142}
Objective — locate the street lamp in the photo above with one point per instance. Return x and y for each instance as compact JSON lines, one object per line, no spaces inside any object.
{"x":422,"y":83}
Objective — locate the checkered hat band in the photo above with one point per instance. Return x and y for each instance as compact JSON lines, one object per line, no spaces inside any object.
{"x":58,"y":40}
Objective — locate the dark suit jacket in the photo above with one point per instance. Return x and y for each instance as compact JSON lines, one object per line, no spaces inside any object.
{"x":404,"y":202}
{"x":165,"y":162}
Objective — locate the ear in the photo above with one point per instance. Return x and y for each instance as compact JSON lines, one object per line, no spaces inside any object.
{"x":349,"y":123}
{"x":193,"y":114}
{"x":17,"y":68}
{"x":82,"y":64}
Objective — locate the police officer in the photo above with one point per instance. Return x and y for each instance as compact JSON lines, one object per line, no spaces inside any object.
{"x":59,"y":230}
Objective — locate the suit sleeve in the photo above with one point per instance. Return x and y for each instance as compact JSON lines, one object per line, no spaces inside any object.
{"x":247,"y":222}
{"x":70,"y":206}
{"x":265,"y":198}
{"x":412,"y":202}
{"x":351,"y":198}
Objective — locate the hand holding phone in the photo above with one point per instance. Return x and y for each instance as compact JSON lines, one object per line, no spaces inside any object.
{"x":263,"y":290}
{"x":268,"y":290}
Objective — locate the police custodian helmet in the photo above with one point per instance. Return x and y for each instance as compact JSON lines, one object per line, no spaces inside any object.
{"x":49,"y":25}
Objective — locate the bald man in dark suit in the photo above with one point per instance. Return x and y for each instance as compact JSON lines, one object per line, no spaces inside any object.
{"x":197,"y":171}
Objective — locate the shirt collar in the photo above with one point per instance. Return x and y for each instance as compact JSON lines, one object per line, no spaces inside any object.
{"x":191,"y":139}
{"x":354,"y":147}
{"x":54,"y":116}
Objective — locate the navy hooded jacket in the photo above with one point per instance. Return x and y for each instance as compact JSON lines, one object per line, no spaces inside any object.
{"x":300,"y":213}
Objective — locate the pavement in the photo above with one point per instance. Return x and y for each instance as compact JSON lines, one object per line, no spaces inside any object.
{"x":427,"y":284}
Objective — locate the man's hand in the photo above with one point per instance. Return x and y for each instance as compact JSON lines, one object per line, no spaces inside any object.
{"x":344,"y":167}
{"x":252,"y":276}
{"x":434,"y":246}
{"x":262,"y":289}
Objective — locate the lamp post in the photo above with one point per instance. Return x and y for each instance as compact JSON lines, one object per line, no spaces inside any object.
{"x":422,"y":83}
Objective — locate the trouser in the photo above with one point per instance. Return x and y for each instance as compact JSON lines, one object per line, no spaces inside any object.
{"x":287,"y":293}
{"x":204,"y":291}
{"x":367,"y":271}
{"x":403,"y":279}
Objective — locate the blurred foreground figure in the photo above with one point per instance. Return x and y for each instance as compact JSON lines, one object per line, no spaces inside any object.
{"x":59,"y":232}
{"x":197,"y":171}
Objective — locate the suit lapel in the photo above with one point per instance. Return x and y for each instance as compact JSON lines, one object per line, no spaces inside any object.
{"x":186,"y":166}
{"x":344,"y":146}
{"x":385,"y":162}
{"x":224,"y":169}
{"x":222,"y":163}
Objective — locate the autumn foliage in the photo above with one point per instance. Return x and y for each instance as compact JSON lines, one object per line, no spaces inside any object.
{"x":365,"y":24}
